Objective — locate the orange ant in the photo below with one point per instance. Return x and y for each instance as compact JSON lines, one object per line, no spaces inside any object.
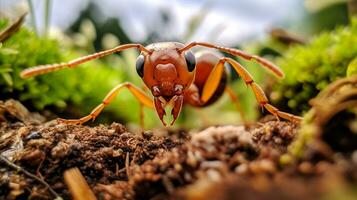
{"x":175,"y":75}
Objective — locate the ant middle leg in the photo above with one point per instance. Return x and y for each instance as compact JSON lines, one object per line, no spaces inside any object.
{"x":143,"y":98}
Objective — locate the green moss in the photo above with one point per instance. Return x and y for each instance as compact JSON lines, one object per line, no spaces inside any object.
{"x":309,"y":69}
{"x":352,"y":67}
{"x":76,"y":91}
{"x":306,"y":133}
{"x":23,"y":50}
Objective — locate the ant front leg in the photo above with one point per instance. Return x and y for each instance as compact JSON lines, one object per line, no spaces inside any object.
{"x":143,"y":98}
{"x":215,"y":76}
{"x":43,"y":69}
{"x":235,"y":100}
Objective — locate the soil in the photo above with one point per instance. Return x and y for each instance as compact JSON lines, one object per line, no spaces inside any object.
{"x":223,"y":162}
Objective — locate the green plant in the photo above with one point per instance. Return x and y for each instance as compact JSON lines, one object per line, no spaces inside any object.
{"x":76,"y":90}
{"x":330,"y":120}
{"x":21,"y":50}
{"x":309,"y":69}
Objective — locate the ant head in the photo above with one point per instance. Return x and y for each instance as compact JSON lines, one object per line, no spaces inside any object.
{"x":166,"y":68}
{"x":166,"y":71}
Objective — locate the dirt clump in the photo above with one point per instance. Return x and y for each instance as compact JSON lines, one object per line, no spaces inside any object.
{"x":224,"y":162}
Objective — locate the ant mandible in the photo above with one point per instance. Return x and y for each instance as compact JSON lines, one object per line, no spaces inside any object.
{"x":174,"y":74}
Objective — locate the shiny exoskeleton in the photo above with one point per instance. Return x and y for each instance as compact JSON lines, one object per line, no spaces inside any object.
{"x":175,"y":75}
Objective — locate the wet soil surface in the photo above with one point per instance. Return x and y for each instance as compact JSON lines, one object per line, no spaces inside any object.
{"x":226,"y":162}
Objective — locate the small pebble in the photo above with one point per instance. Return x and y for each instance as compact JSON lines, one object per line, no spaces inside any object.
{"x":33,"y":135}
{"x":125,"y":135}
{"x":322,"y":167}
{"x":119,"y":128}
{"x":278,"y":140}
{"x":118,"y":152}
{"x":267,"y":166}
{"x":306,"y":168}
{"x":212,"y":164}
{"x":23,"y":131}
{"x":241,"y":169}
{"x":191,"y":160}
{"x":98,"y":166}
{"x":187,"y":176}
{"x":61,"y":127}
{"x":213,"y":175}
{"x":147,"y":135}
{"x":107,"y":151}
{"x":354,"y":157}
{"x":178,"y":167}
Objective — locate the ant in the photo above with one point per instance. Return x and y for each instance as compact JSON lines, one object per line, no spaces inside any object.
{"x":175,"y":75}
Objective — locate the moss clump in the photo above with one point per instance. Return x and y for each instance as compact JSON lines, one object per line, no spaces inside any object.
{"x":309,"y":69}
{"x":23,"y":49}
{"x":77,"y":91}
{"x":329,"y":126}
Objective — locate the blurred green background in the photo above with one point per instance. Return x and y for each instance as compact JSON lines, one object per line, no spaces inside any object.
{"x":311,"y":40}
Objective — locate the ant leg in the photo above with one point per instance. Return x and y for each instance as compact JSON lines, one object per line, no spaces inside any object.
{"x":214,"y":77}
{"x":259,"y":93}
{"x":43,"y":69}
{"x":141,"y":117}
{"x":145,"y":89}
{"x":265,"y":63}
{"x":143,"y":98}
{"x":235,"y":100}
{"x":212,"y":83}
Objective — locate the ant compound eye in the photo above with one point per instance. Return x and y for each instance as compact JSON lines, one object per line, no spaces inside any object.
{"x":140,"y":65}
{"x":190,"y":61}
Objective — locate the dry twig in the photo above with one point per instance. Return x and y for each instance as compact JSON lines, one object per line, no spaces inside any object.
{"x":78,"y":185}
{"x":29,"y":174}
